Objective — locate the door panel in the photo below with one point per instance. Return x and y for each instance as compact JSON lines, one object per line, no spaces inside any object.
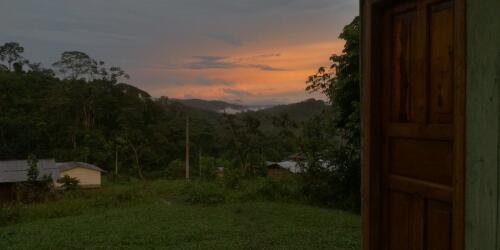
{"x":400,"y":214}
{"x":403,"y":88}
{"x":418,"y":125}
{"x":438,"y":226}
{"x":441,"y":63}
{"x":424,"y":160}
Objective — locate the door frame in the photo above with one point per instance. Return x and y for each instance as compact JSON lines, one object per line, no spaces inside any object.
{"x":371,"y":77}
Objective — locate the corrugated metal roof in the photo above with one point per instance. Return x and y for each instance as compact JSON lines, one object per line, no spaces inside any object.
{"x":16,"y":170}
{"x":63,"y":166}
{"x":291,"y":166}
{"x":296,"y":168}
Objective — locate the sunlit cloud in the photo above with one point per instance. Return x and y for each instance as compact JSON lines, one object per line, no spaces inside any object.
{"x":220,"y":62}
{"x":180,"y":48}
{"x":254,"y":85}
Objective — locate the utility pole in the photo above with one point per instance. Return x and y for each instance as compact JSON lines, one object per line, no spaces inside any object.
{"x":187,"y":147}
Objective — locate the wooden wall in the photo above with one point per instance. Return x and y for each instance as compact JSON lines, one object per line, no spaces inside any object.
{"x":482,"y":219}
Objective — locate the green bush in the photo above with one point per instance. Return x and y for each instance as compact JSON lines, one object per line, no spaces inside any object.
{"x":116,"y":199}
{"x":208,"y":167}
{"x":176,"y":169}
{"x":284,"y":189}
{"x":69,"y":183}
{"x":119,"y":179}
{"x":9,"y":215}
{"x":232,"y":178}
{"x":156,"y":175}
{"x":203,"y":193}
{"x":37,"y":191}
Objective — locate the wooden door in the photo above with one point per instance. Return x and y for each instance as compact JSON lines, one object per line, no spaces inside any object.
{"x":420,"y":116}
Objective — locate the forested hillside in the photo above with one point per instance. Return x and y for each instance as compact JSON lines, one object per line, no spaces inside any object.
{"x":81,"y":110}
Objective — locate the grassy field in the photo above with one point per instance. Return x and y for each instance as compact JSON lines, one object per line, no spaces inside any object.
{"x":173,"y":215}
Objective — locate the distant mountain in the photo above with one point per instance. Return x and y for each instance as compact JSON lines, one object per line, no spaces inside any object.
{"x":215,"y":106}
{"x":211,"y":111}
{"x":300,"y":111}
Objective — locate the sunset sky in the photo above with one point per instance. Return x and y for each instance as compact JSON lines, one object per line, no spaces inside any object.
{"x":249,"y":51}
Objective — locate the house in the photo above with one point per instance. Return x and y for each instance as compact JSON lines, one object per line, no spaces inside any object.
{"x":219,"y":172}
{"x":88,"y":174}
{"x":430,"y":120}
{"x":283,"y":168}
{"x":15,"y":171}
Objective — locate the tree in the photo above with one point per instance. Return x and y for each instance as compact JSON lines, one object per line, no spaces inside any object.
{"x":37,"y":67}
{"x":112,"y":74}
{"x":75,"y":65}
{"x":33,"y":172}
{"x":286,"y":138}
{"x":341,"y":84}
{"x":11,"y":52}
{"x":245,"y":141}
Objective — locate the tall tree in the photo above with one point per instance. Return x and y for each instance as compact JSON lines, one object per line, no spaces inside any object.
{"x":75,"y":64}
{"x":11,"y":52}
{"x":245,"y":141}
{"x":341,"y":84}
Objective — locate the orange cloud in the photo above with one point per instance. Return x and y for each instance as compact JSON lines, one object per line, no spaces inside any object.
{"x":248,"y":73}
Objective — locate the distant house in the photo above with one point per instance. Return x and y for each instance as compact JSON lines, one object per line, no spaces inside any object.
{"x":283,"y":168}
{"x":88,"y":174}
{"x":220,"y":172}
{"x":16,"y":171}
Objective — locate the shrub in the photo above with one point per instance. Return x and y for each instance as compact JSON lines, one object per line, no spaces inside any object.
{"x":36,"y":191}
{"x":285,"y":189}
{"x":122,"y":179}
{"x":157,"y":174}
{"x":176,"y":169}
{"x":208,"y":167}
{"x":117,"y":199}
{"x":9,"y":215}
{"x":69,"y":183}
{"x":203,"y":193}
{"x":232,"y":178}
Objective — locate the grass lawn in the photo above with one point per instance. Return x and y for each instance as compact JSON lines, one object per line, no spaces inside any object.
{"x":157,"y":220}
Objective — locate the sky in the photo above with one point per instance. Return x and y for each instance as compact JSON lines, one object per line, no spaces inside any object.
{"x":254,"y":52}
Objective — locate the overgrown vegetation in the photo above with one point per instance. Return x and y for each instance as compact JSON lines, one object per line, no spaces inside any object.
{"x":82,"y":111}
{"x":134,"y":192}
{"x":164,"y":222}
{"x":69,"y":183}
{"x":36,"y":188}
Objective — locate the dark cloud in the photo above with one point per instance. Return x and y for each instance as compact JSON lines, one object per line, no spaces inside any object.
{"x":227,"y":39}
{"x":218,"y":62}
